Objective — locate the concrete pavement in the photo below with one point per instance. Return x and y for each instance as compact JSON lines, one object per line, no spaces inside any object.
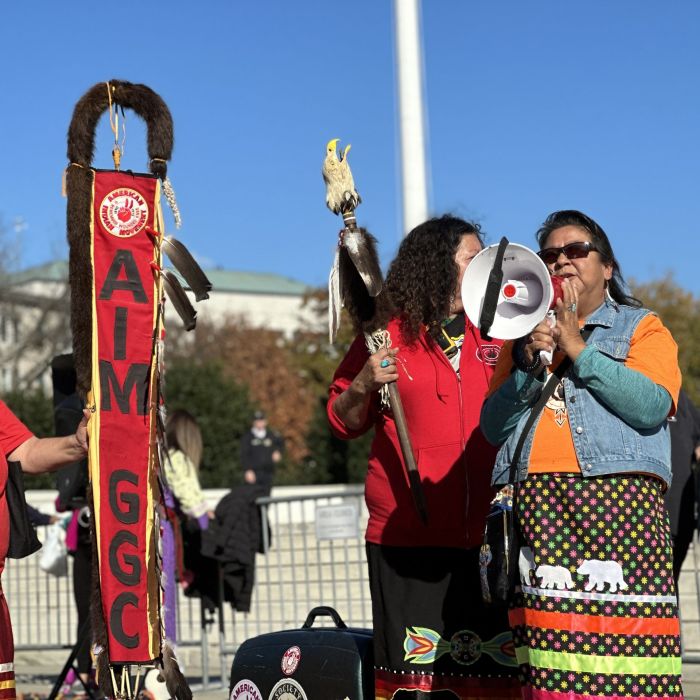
{"x":37,"y":671}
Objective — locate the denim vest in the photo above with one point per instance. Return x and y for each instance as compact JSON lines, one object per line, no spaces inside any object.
{"x":604,"y":443}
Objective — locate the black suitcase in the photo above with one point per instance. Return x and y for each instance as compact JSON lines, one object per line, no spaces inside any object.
{"x":310,"y":663}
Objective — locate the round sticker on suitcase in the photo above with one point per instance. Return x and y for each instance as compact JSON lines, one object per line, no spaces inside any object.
{"x":287,"y":689}
{"x":290,"y":660}
{"x":246,"y":690}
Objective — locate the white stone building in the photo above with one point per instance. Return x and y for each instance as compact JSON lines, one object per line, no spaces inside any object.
{"x":34,"y":314}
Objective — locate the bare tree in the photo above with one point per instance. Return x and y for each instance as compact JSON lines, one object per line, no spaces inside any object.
{"x":34,"y":318}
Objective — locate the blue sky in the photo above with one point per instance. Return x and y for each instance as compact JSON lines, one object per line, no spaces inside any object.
{"x":532,"y":107}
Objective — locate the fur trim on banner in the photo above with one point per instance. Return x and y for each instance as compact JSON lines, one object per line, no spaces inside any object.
{"x":79,"y":178}
{"x":144,"y":101}
{"x":79,"y":212}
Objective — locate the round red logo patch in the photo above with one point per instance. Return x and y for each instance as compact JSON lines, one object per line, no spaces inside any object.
{"x":488,"y":353}
{"x":245,"y":690}
{"x":290,"y":660}
{"x":123,"y":212}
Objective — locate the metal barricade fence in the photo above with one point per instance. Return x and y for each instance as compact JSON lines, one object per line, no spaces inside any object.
{"x":301,"y":568}
{"x":307,"y":563}
{"x":310,"y":561}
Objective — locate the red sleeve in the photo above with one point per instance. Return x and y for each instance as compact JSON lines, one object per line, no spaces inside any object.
{"x":348,"y":369}
{"x":12,"y":431}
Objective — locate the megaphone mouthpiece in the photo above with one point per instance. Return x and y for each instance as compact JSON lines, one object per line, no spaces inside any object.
{"x":558,"y":293}
{"x":514,"y":291}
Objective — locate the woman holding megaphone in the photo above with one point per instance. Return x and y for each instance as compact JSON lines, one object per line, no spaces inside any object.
{"x":596,"y":611}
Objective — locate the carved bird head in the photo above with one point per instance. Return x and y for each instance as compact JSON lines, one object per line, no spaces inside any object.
{"x":332,"y":148}
{"x":341,"y":195}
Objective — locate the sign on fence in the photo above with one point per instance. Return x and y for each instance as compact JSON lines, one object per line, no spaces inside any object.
{"x":337,"y":522}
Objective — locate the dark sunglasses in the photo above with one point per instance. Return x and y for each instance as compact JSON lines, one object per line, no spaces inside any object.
{"x":571,"y":251}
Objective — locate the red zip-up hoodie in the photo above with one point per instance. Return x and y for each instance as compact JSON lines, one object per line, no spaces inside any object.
{"x":454,"y":460}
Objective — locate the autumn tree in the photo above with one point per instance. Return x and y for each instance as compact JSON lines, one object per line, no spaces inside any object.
{"x":316,"y":358}
{"x":260,"y":359}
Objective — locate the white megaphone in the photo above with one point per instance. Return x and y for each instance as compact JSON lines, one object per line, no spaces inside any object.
{"x":524,"y":295}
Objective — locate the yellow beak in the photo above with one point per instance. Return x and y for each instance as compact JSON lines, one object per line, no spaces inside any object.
{"x":331,"y":145}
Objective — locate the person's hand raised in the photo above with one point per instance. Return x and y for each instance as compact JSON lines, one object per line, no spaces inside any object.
{"x":379,"y":369}
{"x":567,"y":332}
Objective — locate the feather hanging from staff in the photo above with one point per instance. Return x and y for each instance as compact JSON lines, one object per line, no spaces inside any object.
{"x":177,"y":296}
{"x":355,"y":280}
{"x":187,"y":266}
{"x":174,"y":680}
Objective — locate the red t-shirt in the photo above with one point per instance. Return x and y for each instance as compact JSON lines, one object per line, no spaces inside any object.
{"x":12,"y":434}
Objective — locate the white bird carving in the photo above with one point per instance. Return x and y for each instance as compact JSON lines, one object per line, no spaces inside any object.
{"x":341,"y":195}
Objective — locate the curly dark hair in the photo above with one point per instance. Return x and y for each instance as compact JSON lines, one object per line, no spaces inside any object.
{"x":423,"y":276}
{"x":571,"y":217}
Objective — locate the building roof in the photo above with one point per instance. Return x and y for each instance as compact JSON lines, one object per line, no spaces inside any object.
{"x":222,"y":280}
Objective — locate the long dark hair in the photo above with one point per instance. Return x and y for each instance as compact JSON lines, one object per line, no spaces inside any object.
{"x":617,"y":286}
{"x":422,"y":278}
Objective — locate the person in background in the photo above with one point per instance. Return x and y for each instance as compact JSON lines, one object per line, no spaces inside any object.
{"x":596,"y":614}
{"x":432,"y":633}
{"x":681,"y":499}
{"x":36,"y":455}
{"x":72,"y":484}
{"x":260,"y":452}
{"x":184,"y":498}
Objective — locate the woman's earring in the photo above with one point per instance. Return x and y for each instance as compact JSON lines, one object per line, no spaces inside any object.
{"x":609,"y":296}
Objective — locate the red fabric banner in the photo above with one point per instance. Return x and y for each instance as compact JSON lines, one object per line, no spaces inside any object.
{"x":122,"y":443}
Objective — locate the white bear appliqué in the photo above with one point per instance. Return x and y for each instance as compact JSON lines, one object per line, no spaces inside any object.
{"x":554,"y":577}
{"x":526,"y":564}
{"x":600,"y":572}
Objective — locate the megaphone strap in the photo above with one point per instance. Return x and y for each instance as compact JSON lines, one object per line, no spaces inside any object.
{"x":493,"y":291}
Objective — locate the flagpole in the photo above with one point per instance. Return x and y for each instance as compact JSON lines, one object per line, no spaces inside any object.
{"x":411,"y":113}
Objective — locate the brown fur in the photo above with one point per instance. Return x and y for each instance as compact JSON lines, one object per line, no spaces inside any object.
{"x":81,"y":146}
{"x":356,"y":298}
{"x":79,"y":187}
{"x":144,"y":101}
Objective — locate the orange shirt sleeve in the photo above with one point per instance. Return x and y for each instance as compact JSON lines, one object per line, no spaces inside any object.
{"x":654,"y":353}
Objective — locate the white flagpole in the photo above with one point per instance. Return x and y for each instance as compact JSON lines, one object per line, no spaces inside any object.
{"x":409,"y":71}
